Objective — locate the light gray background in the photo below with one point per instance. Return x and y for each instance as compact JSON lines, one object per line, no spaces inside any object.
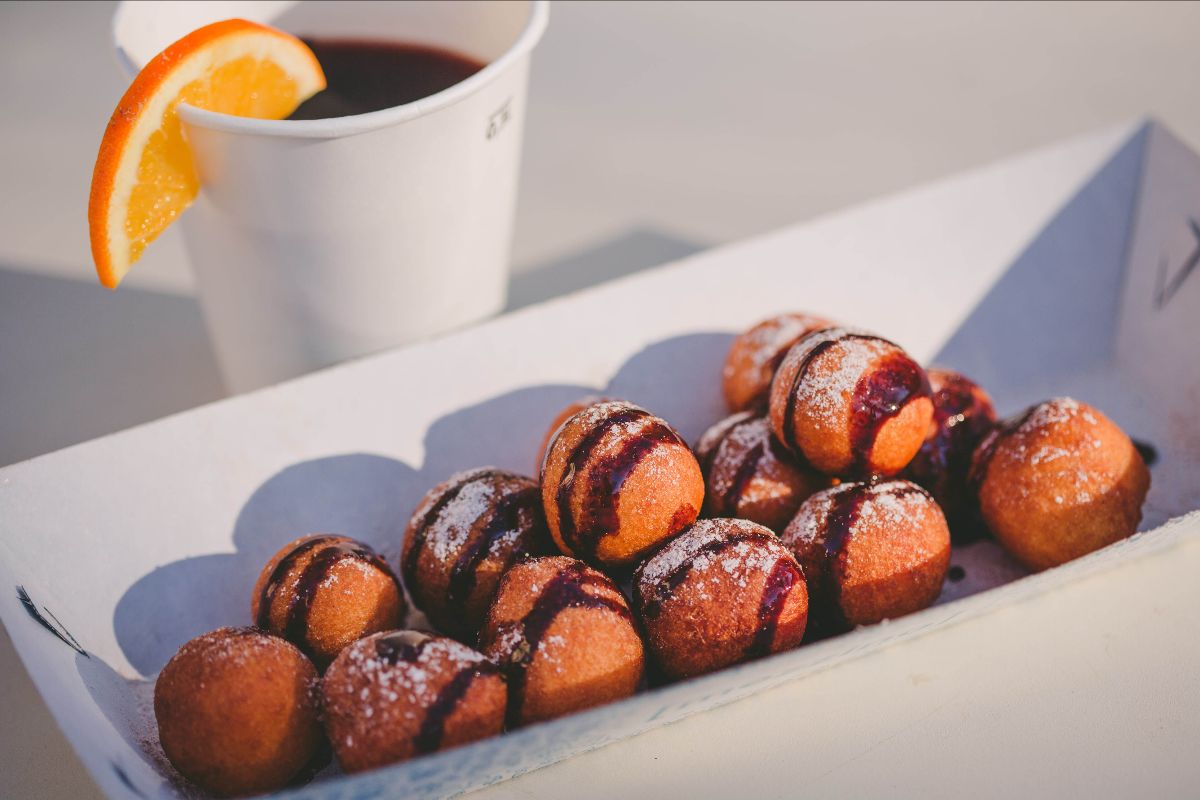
{"x":653,"y":130}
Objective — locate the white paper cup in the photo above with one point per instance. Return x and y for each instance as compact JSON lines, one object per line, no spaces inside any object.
{"x":320,"y":240}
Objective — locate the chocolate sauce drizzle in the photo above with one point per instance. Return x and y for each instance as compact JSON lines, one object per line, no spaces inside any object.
{"x":878,"y":396}
{"x":504,"y":516}
{"x":599,"y":505}
{"x":408,"y":564}
{"x":960,"y":422}
{"x":328,"y":553}
{"x":565,"y":590}
{"x":406,"y":647}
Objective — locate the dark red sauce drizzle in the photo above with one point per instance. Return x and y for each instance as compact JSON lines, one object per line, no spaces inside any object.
{"x":429,"y":737}
{"x":746,"y":470}
{"x":599,"y":506}
{"x":789,"y":417}
{"x":282,"y":568}
{"x":328,"y":554}
{"x":726,"y":503}
{"x":842,"y":515}
{"x":406,"y":647}
{"x":565,"y":590}
{"x":780,"y":580}
{"x":961,"y":419}
{"x":315,"y":572}
{"x":839,"y":523}
{"x":668,"y":583}
{"x":879,"y":396}
{"x":408,"y":565}
{"x":503,"y":517}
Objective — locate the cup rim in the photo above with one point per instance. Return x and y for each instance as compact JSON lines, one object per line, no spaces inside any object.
{"x":333,"y":127}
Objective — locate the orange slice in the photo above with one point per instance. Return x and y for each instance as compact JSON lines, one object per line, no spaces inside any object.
{"x":144,"y":176}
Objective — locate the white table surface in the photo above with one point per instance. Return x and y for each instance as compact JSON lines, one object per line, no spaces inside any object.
{"x":653,"y":130}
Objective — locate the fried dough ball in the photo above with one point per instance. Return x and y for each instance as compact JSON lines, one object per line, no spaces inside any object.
{"x":323,"y":592}
{"x":237,"y":711}
{"x":748,"y":475}
{"x":870,"y":552}
{"x":755,"y":355}
{"x":723,"y":592}
{"x":564,"y":636}
{"x":618,"y":481}
{"x":463,"y":536}
{"x":851,"y":404}
{"x":399,"y":694}
{"x":1058,"y":482}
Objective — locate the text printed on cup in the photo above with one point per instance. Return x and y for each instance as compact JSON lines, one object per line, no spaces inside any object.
{"x":498,"y":119}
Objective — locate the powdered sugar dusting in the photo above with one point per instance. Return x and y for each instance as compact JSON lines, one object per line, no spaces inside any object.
{"x":1036,"y":441}
{"x":368,"y":571}
{"x":434,"y":496}
{"x":737,"y":563}
{"x":453,"y":525}
{"x":384,"y":681}
{"x":1056,"y":411}
{"x":766,"y":339}
{"x":825,"y":401}
{"x":726,"y":461}
{"x":1047,"y":453}
{"x":890,"y":505}
{"x":598,"y":412}
{"x":894,"y":504}
{"x":713,"y":437}
{"x":806,"y":526}
{"x":235,"y":645}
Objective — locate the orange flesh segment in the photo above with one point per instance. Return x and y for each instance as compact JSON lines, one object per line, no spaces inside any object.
{"x":145,"y":175}
{"x":167,"y":181}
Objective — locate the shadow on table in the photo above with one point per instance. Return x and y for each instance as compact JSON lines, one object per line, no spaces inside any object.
{"x":78,"y":361}
{"x":354,"y":494}
{"x":371,"y":497}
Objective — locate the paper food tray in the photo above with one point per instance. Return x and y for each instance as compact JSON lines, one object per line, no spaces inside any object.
{"x":1063,"y":272}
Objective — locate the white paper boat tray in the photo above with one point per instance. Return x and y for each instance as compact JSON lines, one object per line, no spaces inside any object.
{"x":1069,"y":271}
